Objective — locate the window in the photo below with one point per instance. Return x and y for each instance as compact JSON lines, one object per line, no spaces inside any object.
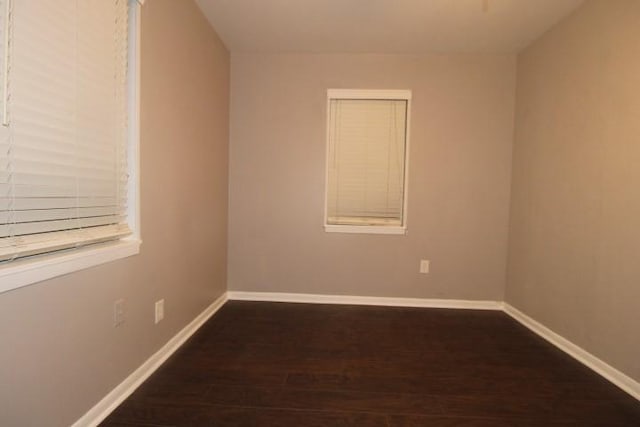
{"x":68,"y":143}
{"x":367,"y":153}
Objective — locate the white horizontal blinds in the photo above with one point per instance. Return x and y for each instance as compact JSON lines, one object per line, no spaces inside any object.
{"x":65,"y":173}
{"x":366,"y":161}
{"x":5,"y":10}
{"x":4,"y":131}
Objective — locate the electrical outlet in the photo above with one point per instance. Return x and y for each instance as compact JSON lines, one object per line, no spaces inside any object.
{"x":159,"y":310}
{"x":424,"y":266}
{"x":118,"y":313}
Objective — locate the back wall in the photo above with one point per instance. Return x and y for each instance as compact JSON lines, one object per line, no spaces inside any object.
{"x":459,"y":174}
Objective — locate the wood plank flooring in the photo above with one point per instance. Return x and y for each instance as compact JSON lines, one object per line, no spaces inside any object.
{"x":273,"y":364}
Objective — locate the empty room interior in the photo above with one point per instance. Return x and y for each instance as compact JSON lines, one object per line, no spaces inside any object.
{"x":320,"y":213}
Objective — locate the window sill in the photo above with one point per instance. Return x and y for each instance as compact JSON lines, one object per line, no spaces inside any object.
{"x":29,"y":271}
{"x":365,"y":229}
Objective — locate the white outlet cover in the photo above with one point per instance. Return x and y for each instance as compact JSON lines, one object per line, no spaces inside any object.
{"x":424,"y":266}
{"x":159,"y":310}
{"x":118,"y":312}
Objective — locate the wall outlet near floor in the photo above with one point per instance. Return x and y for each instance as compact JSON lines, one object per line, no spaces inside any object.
{"x":159,"y":310}
{"x":424,"y":266}
{"x":118,"y":312}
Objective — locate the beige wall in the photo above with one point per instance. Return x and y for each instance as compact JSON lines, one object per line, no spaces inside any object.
{"x":575,"y":225}
{"x":461,"y":134}
{"x":59,"y":354}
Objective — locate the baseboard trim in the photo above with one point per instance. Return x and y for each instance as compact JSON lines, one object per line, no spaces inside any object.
{"x":111,"y":401}
{"x":361,"y":300}
{"x":621,"y":380}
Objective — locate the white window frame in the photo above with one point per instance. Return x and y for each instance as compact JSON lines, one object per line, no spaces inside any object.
{"x":381,"y":94}
{"x":26,"y":272}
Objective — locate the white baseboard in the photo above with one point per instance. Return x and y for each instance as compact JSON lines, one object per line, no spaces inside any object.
{"x":621,"y":380}
{"x":111,"y":401}
{"x":360,"y":300}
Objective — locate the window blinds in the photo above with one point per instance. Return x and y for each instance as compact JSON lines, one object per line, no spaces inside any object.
{"x":366,"y":161}
{"x":63,"y":159}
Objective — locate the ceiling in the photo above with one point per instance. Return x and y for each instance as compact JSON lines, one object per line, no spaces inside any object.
{"x":382,"y":26}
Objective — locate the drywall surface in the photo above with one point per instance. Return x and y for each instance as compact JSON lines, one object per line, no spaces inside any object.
{"x":59,"y":353}
{"x":575,"y":224}
{"x":459,"y":174}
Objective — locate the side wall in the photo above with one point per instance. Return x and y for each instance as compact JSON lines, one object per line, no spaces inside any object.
{"x":59,"y":353}
{"x":460,"y":166}
{"x":575,"y":225}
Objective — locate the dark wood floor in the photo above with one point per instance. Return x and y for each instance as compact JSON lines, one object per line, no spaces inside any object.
{"x":270,"y":364}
